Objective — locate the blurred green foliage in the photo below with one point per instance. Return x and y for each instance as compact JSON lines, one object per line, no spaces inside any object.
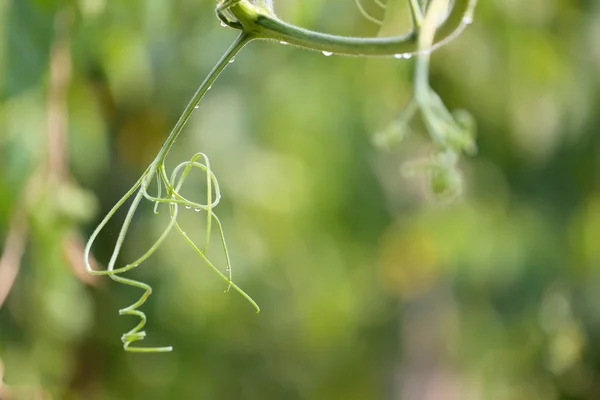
{"x":368,"y":290}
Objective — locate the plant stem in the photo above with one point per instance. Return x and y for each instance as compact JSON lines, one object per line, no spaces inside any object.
{"x":229,"y":55}
{"x":425,"y":43}
{"x":257,"y":22}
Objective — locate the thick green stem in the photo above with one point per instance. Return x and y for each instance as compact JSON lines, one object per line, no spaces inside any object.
{"x":261,"y":25}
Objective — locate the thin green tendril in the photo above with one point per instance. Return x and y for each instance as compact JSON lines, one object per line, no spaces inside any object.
{"x":168,"y":191}
{"x":366,"y":14}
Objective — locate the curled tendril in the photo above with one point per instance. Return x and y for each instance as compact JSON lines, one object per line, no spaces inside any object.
{"x":171,"y":187}
{"x":168,"y":192}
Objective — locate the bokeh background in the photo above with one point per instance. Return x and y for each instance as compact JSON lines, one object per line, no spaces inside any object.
{"x":368,"y":288}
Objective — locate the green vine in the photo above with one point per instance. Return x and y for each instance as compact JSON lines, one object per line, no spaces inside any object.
{"x":452,"y":134}
{"x":172,"y":197}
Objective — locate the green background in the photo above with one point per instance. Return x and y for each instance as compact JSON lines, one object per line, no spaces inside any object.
{"x":368,"y":288}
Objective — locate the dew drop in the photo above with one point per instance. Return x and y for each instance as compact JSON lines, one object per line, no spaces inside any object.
{"x":197,"y":106}
{"x":398,"y":55}
{"x":284,"y":43}
{"x":223,"y":24}
{"x":327,"y":53}
{"x":197,"y":209}
{"x":188,"y":207}
{"x":232,"y":60}
{"x":467,"y":20}
{"x":407,"y":55}
{"x":210,"y":87}
{"x":227,"y":269}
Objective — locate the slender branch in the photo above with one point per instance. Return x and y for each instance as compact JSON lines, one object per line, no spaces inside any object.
{"x":56,"y":145}
{"x":3,"y":393}
{"x":258,"y":23}
{"x":14,"y":247}
{"x":60,"y":78}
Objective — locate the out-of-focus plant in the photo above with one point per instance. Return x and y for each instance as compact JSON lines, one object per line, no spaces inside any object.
{"x":433,"y":26}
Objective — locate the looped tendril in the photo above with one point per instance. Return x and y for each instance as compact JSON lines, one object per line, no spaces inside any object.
{"x":168,"y":191}
{"x":174,"y":199}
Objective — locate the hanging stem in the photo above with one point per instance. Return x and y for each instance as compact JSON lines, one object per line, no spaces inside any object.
{"x":243,"y":39}
{"x":139,"y":191}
